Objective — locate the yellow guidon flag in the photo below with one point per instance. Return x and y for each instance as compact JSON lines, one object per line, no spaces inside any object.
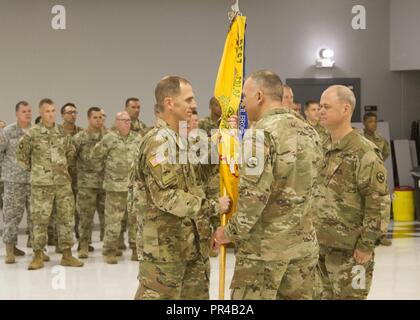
{"x":228,"y":91}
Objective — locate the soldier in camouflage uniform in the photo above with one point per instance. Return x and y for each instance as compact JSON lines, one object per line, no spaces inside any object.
{"x":46,"y":153}
{"x":69,"y":127}
{"x":132,"y":106}
{"x":276,"y":245}
{"x":370,"y":121}
{"x":115,"y":152}
{"x":90,"y":196}
{"x":352,"y":217}
{"x":210,"y":172}
{"x":172,"y":212}
{"x":312,"y":117}
{"x":16,"y":181}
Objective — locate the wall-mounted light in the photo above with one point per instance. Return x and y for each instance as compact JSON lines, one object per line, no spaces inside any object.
{"x":324,"y":59}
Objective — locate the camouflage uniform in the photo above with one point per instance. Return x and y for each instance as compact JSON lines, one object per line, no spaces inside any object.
{"x":208,"y":174}
{"x":139,"y":127}
{"x":90,"y":195}
{"x":129,"y":218}
{"x":352,"y":215}
{"x":276,"y":245}
{"x":52,"y":227}
{"x":17,"y":189}
{"x":46,"y":153}
{"x":116,"y":154}
{"x":380,"y":142}
{"x":385,"y":149}
{"x":173,"y":221}
{"x":322,"y":132}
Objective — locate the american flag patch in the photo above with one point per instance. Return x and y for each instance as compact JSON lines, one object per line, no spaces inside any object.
{"x":157,"y":159}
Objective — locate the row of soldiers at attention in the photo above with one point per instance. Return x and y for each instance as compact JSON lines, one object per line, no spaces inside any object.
{"x":307,"y":222}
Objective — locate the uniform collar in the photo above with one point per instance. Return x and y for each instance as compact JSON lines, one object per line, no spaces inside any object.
{"x":44,"y":129}
{"x":280,"y":110}
{"x":163,"y":125}
{"x":343,"y":143}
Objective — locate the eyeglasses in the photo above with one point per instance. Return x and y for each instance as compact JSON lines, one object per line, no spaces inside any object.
{"x":124,"y":120}
{"x":71,"y":112}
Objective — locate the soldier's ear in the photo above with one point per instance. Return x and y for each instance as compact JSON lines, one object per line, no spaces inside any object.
{"x":168,"y":103}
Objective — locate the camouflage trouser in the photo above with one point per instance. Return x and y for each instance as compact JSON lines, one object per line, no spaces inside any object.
{"x":16,"y":199}
{"x":52,"y":225}
{"x":89,"y":201}
{"x":276,"y":280}
{"x":339,"y":277}
{"x":132,"y":220}
{"x":42,"y":200}
{"x":115,"y":208}
{"x":183,"y":280}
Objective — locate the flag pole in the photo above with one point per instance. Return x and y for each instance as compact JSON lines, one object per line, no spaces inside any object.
{"x":222,"y":262}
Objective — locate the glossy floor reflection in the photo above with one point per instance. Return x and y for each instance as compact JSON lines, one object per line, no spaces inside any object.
{"x":397,"y":273}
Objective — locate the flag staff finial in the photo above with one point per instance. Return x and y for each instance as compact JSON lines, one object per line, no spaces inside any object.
{"x":234,"y":11}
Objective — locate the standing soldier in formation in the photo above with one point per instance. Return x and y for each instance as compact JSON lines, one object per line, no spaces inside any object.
{"x":210,"y":176}
{"x":276,"y":245}
{"x":370,"y":122}
{"x":17,"y":189}
{"x":115,"y":152}
{"x":351,"y":219}
{"x":46,"y":152}
{"x":69,"y":127}
{"x":312,"y":109}
{"x":90,"y":174}
{"x":172,"y":212}
{"x":132,"y":106}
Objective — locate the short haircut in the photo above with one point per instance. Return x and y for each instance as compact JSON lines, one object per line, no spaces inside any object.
{"x":69,"y":104}
{"x":46,"y":101}
{"x":309,"y":103}
{"x":369,"y":115}
{"x":93,"y":109}
{"x":21,"y":103}
{"x":214,"y":102}
{"x":169,"y":86}
{"x":38,"y":120}
{"x":269,"y":82}
{"x":127,"y":102}
{"x":345,"y":95}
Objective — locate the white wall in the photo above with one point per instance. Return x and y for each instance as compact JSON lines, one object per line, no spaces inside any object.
{"x":405,"y":28}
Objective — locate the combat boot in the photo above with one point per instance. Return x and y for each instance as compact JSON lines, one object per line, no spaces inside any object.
{"x":111,"y":257}
{"x":69,"y":261}
{"x":10,"y":255}
{"x":84,"y":250}
{"x":134,"y":256}
{"x":17,"y":252}
{"x":385,"y":242}
{"x":37,"y":261}
{"x":45,"y":257}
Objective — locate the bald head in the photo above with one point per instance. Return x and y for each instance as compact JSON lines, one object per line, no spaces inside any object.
{"x":123,"y":123}
{"x":337,"y":107}
{"x":344,"y":95}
